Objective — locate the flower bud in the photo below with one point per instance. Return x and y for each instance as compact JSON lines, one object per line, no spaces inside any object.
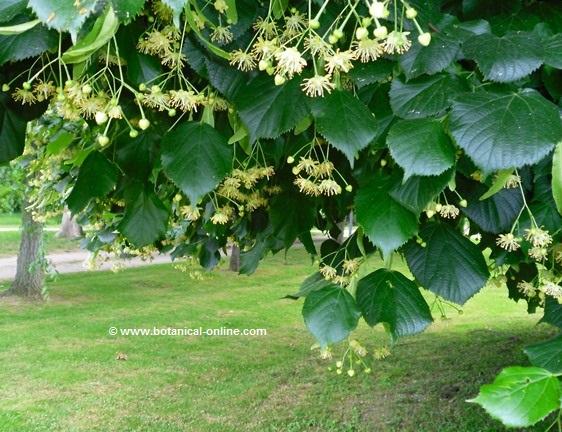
{"x":144,"y":123}
{"x":279,"y":80}
{"x":100,"y":117}
{"x":411,"y":13}
{"x":314,"y":24}
{"x":103,"y":140}
{"x":424,"y":39}
{"x":380,"y":32}
{"x":361,"y":33}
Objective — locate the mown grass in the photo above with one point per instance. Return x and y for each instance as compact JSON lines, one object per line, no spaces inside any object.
{"x":10,"y":243}
{"x":10,"y":240}
{"x":58,"y":366}
{"x":14,"y":220}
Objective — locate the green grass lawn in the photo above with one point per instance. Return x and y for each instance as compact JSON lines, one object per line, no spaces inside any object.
{"x":10,"y":243}
{"x":14,"y":220}
{"x":10,"y":240}
{"x":59,"y":372}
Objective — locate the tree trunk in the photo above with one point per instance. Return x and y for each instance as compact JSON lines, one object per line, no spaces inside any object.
{"x":69,"y":228}
{"x":30,"y":274}
{"x":234,"y":258}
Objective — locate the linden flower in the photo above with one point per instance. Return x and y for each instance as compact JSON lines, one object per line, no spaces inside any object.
{"x":324,"y":169}
{"x":397,"y":42}
{"x":306,"y":164}
{"x":351,"y":266}
{"x":290,"y":62}
{"x":381,"y":353}
{"x":329,"y":187}
{"x":538,"y":237}
{"x":190,"y":213}
{"x":220,"y":6}
{"x":328,"y":272}
{"x":222,"y":35}
{"x":317,"y":85}
{"x":219,"y":218}
{"x":367,"y":50}
{"x":357,"y":348}
{"x":326,"y":353}
{"x":186,"y":100}
{"x":242,"y":60}
{"x":265,"y":26}
{"x":307,"y":187}
{"x":378,"y":9}
{"x":537,"y":253}
{"x":295,"y":22}
{"x":24,"y":96}
{"x":44,"y":90}
{"x":508,"y":242}
{"x":156,"y":43}
{"x":527,"y":289}
{"x":317,"y":45}
{"x":340,"y":61}
{"x":265,"y":48}
{"x":513,"y":181}
{"x":449,"y":211}
{"x":553,"y":290}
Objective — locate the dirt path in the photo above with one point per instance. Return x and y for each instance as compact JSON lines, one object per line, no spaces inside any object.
{"x":73,"y":262}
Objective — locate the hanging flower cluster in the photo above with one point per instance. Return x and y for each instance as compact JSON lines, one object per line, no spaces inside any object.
{"x":285,"y":49}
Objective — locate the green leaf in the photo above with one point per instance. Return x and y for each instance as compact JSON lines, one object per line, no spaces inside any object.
{"x":330,"y":314}
{"x":387,"y":224}
{"x":314,"y":282}
{"x":388,"y":297}
{"x":499,"y":182}
{"x":12,"y":132}
{"x":449,"y":265}
{"x":126,"y":10}
{"x":553,"y":51}
{"x":31,"y":43}
{"x":103,"y":30}
{"x":444,"y":47}
{"x":64,"y":16}
{"x":231,"y":12}
{"x":372,"y":72}
{"x":496,"y":214}
{"x":557,"y":177}
{"x":547,"y":355}
{"x":142,"y":68}
{"x":520,"y":396}
{"x":196,"y":158}
{"x":60,"y":142}
{"x":436,"y":57}
{"x":421,"y":147}
{"x":268,"y":110}
{"x":345,"y":122}
{"x":418,"y":191}
{"x":96,"y":178}
{"x":146,"y":217}
{"x":507,"y":58}
{"x":425,"y":96}
{"x":291,"y":215}
{"x":552,"y":313}
{"x":505,"y":130}
{"x":9,"y":9}
{"x":18,"y":28}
